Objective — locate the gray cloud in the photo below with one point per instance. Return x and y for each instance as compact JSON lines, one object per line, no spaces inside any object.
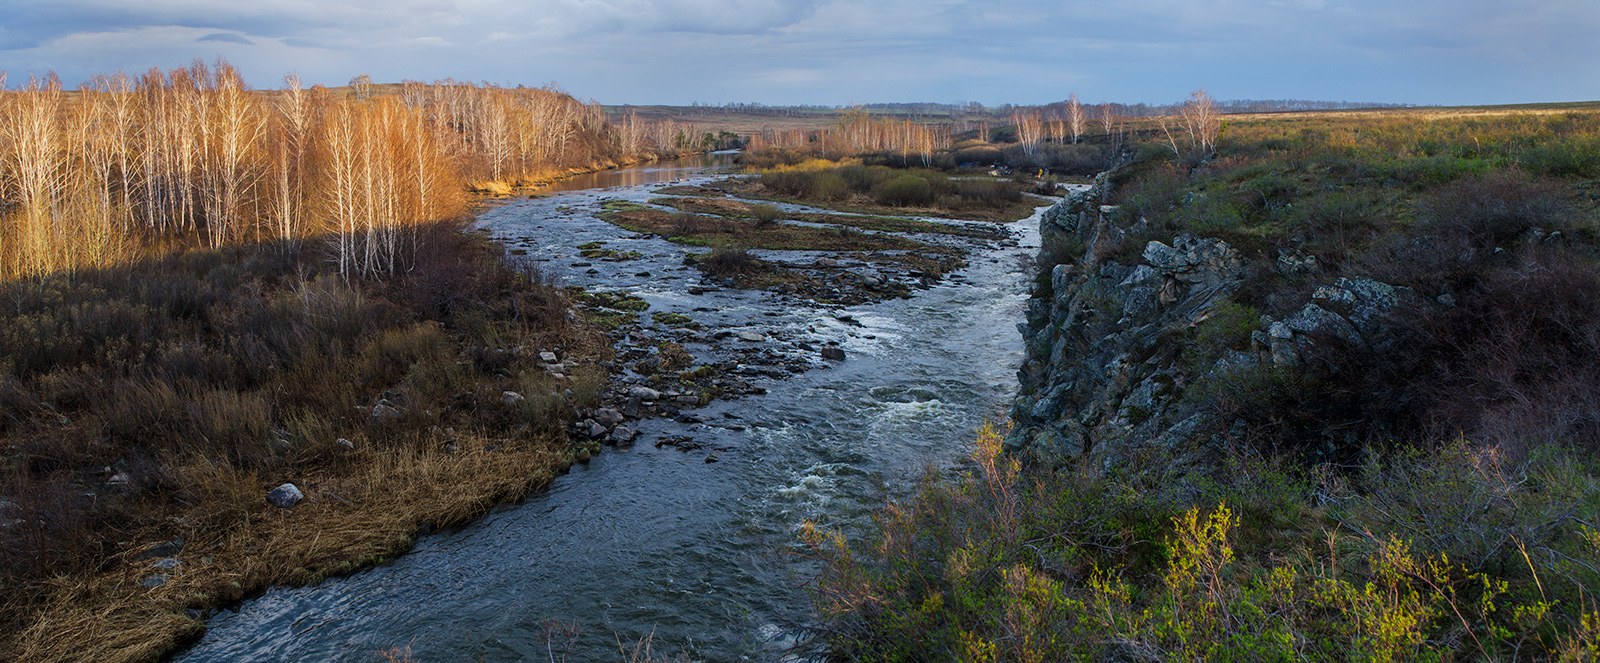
{"x":839,"y":51}
{"x":224,"y":36}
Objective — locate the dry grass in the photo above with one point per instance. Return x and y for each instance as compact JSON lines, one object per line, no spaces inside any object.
{"x":347,"y":522}
{"x":205,"y":379}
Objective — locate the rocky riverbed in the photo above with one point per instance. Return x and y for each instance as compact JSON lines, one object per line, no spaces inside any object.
{"x":730,"y":416}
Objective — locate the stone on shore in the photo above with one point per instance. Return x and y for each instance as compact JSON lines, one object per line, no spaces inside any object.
{"x":285,"y":496}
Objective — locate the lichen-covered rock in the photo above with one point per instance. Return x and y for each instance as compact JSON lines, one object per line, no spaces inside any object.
{"x":1098,"y":377}
{"x":1111,"y":354}
{"x":1313,"y":319}
{"x":1191,"y":259}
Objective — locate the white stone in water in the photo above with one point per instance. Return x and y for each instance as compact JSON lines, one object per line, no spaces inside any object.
{"x":285,"y":496}
{"x":644,"y":393}
{"x":751,"y":336}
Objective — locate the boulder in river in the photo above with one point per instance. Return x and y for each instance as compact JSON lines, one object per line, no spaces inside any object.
{"x":836,"y":354}
{"x":753,"y":337}
{"x":644,"y":393}
{"x":607,"y":416}
{"x":285,"y":496}
{"x":623,"y":435}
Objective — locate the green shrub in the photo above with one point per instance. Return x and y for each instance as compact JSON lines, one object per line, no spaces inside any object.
{"x":1226,"y":327}
{"x":829,"y":187}
{"x":905,"y":190}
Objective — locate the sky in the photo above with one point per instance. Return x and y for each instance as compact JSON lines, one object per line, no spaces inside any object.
{"x":840,"y":52}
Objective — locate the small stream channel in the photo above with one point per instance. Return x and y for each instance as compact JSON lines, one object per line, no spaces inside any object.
{"x":645,"y":540}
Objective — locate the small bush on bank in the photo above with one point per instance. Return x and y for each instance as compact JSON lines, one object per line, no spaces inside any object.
{"x":906,"y":190}
{"x":728,"y":261}
{"x":765,"y":215}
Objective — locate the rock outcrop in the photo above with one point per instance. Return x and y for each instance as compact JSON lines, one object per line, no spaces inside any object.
{"x":1106,"y":370}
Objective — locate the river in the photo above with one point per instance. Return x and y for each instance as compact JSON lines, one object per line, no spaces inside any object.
{"x":656,"y":542}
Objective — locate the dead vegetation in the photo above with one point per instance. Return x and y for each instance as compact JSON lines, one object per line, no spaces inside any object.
{"x":160,"y":401}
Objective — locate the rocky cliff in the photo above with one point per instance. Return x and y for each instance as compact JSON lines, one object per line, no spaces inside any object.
{"x":1119,"y":352}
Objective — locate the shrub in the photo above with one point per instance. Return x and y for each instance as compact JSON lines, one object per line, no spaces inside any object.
{"x":794,"y":183}
{"x":986,"y":193}
{"x":1226,"y":327}
{"x":728,"y":261}
{"x":1495,"y":210}
{"x":905,"y":190}
{"x":1132,"y":558}
{"x":765,"y":215}
{"x":829,"y":187}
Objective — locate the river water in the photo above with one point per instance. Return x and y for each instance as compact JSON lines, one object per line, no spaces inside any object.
{"x":654,"y":542}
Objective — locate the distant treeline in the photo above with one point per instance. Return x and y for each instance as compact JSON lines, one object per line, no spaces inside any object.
{"x":975,"y":109}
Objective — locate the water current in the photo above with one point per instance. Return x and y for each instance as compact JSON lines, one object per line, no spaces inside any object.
{"x":703,"y":557}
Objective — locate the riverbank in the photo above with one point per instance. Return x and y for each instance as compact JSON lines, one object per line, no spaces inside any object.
{"x":158,"y":405}
{"x":1328,"y":392}
{"x":686,"y":529}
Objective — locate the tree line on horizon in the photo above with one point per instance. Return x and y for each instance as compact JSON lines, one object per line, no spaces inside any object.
{"x":857,"y":131}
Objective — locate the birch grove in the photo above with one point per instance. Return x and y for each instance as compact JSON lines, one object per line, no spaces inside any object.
{"x":194,"y":156}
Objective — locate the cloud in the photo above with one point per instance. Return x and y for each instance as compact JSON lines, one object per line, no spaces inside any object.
{"x":836,"y":51}
{"x":224,"y":36}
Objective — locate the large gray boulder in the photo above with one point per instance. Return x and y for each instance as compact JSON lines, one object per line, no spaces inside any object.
{"x":608,"y":417}
{"x":1207,"y":261}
